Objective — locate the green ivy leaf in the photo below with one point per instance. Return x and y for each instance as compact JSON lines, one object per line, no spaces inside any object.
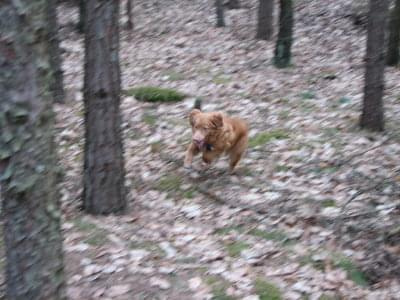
{"x":7,"y":173}
{"x":4,"y":153}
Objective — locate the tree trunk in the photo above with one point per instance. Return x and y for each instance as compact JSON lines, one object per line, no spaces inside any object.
{"x":265,"y":19}
{"x":220,"y":13}
{"x":285,"y":36}
{"x":393,"y":55}
{"x":372,"y":114}
{"x":233,"y":4}
{"x":104,"y":191}
{"x":129,"y":14}
{"x":82,"y":16}
{"x":55,"y":53}
{"x":30,"y":200}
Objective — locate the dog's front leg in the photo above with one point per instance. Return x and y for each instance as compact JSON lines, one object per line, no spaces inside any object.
{"x":190,"y":152}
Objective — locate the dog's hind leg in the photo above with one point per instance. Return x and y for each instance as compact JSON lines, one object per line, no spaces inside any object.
{"x":237,"y":152}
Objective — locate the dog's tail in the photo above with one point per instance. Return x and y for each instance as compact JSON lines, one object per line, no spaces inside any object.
{"x":197,"y":103}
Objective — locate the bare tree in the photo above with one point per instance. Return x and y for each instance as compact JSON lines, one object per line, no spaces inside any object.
{"x":393,"y":55}
{"x":372,"y":117}
{"x":220,"y":13}
{"x":104,"y":174}
{"x":233,"y":4}
{"x":265,"y":19}
{"x":129,"y":14}
{"x":82,"y":15}
{"x":30,"y":200}
{"x":285,"y":36}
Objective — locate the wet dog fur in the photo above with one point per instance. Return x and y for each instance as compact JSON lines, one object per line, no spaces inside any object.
{"x":214,"y":134}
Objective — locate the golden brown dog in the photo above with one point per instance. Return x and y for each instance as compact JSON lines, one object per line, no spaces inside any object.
{"x":214,"y":134}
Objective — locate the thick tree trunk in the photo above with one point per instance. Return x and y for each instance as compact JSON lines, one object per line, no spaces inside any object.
{"x":285,"y":36}
{"x":82,"y":16}
{"x":233,"y":4}
{"x":104,"y":191}
{"x":393,"y":55}
{"x":55,"y":53}
{"x":372,"y":114}
{"x":129,"y":14}
{"x":265,"y":19}
{"x":220,"y":13}
{"x":30,"y":201}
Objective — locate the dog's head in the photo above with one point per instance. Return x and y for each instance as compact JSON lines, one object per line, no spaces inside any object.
{"x":204,"y":125}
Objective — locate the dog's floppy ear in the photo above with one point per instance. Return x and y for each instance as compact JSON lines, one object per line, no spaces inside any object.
{"x":192,"y":115}
{"x":217,"y":120}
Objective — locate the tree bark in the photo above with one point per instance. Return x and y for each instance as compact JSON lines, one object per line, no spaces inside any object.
{"x":129,"y":14}
{"x":265,"y":19}
{"x":393,"y":55}
{"x":372,"y":117}
{"x":30,"y":200}
{"x":104,"y":191}
{"x":220,"y":13}
{"x":82,"y":16}
{"x":233,"y":4}
{"x":283,"y":45}
{"x":55,"y":53}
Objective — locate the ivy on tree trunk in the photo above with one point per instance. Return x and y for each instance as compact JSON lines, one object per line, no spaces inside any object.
{"x":55,"y":55}
{"x":30,"y":200}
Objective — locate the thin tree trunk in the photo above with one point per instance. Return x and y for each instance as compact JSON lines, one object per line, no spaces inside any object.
{"x":30,"y":200}
{"x":285,"y":36}
{"x":55,"y":53}
{"x":233,"y":4}
{"x":265,"y":19}
{"x":220,"y":13}
{"x":129,"y":14}
{"x":372,"y":117}
{"x":82,"y":16}
{"x":104,"y":191}
{"x":393,"y":55}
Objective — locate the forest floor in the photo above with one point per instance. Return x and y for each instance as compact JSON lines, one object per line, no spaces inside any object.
{"x":313,"y":211}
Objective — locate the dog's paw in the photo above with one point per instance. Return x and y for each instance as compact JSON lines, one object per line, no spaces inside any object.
{"x":205,"y":166}
{"x":187,"y":169}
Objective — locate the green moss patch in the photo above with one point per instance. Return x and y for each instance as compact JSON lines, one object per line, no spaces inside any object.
{"x":353,"y":271}
{"x":228,"y":229}
{"x":149,"y":119}
{"x":264,"y":137}
{"x":95,"y":236}
{"x":267,"y":291}
{"x":173,"y":75}
{"x":155,"y":94}
{"x":170,"y":183}
{"x":235,"y":248}
{"x":307,"y":95}
{"x":221,"y":79}
{"x":328,"y":203}
{"x":274,"y":235}
{"x":218,"y":287}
